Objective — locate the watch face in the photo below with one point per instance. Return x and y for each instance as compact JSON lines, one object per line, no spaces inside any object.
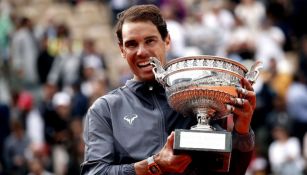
{"x":154,"y":169}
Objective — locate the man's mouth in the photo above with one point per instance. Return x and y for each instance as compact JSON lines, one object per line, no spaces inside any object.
{"x":144,"y":64}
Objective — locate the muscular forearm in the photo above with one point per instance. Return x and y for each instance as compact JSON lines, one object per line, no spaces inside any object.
{"x":243,"y":142}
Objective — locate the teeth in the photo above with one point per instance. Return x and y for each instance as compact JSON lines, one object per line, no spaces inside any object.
{"x":146,"y":63}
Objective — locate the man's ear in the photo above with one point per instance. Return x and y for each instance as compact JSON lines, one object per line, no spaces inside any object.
{"x":122,"y":51}
{"x":168,"y":42}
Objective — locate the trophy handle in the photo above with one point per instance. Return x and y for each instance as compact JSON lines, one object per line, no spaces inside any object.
{"x":158,"y":71}
{"x":254,"y":72}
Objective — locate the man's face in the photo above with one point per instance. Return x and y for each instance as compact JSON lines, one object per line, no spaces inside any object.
{"x":142,"y":40}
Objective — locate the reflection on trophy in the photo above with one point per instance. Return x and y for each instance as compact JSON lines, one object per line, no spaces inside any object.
{"x":200,"y":86}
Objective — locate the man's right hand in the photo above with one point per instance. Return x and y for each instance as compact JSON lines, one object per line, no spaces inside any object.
{"x":166,"y":160}
{"x":170,"y":163}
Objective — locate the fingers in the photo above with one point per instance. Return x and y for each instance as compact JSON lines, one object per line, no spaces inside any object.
{"x":238,"y":101}
{"x":248,"y":95}
{"x":169,"y":162}
{"x":246,"y":84}
{"x":239,"y":104}
{"x":170,"y":141}
{"x":240,"y":107}
{"x":243,"y":92}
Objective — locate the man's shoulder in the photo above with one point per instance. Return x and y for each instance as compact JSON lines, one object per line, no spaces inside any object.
{"x":115,"y":94}
{"x":108,"y":99}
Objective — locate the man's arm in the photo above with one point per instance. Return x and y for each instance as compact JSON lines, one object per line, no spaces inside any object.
{"x":243,"y":137}
{"x":98,"y":138}
{"x":242,"y":151}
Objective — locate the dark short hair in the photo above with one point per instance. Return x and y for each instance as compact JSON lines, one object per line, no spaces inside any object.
{"x":141,"y":13}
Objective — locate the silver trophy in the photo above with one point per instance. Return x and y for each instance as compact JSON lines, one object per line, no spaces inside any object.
{"x":200,"y":86}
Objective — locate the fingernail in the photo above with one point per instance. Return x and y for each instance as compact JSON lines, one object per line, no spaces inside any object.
{"x":232,"y":99}
{"x":239,"y":89}
{"x":230,"y":108}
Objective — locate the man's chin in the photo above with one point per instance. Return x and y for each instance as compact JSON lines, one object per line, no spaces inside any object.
{"x":148,"y":77}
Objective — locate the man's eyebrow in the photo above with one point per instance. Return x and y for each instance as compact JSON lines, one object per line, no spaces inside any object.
{"x":129,"y":41}
{"x":151,"y":37}
{"x":146,"y":38}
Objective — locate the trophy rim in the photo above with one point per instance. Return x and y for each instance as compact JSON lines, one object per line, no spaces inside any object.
{"x":204,"y":68}
{"x":208,"y":57}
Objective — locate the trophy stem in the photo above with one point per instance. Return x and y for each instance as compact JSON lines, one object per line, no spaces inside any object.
{"x":203,"y":118}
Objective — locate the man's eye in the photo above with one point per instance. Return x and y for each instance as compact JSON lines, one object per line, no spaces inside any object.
{"x":150,"y":41}
{"x":131,"y":45}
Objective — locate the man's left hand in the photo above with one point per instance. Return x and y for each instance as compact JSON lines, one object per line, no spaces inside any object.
{"x":243,"y":107}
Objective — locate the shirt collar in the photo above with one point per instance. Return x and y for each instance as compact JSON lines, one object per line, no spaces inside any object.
{"x":145,"y":91}
{"x":140,"y":86}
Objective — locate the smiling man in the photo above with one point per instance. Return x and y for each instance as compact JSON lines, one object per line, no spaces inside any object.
{"x":129,"y":130}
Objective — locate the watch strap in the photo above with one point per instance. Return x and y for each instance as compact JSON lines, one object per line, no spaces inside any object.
{"x":153,"y":167}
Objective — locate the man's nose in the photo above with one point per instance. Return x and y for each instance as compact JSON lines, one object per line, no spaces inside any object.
{"x":142,"y":50}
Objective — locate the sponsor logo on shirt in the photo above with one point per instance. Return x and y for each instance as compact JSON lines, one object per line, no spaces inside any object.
{"x":130,"y":118}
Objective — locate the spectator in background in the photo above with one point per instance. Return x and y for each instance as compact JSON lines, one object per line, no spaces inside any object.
{"x":285,"y":153}
{"x":44,"y":60}
{"x":49,"y":30}
{"x":265,"y":98}
{"x":14,"y":151}
{"x":302,"y":62}
{"x":279,"y":12}
{"x":155,"y":2}
{"x":259,"y":164}
{"x":269,"y":43}
{"x":79,"y":102}
{"x":279,"y":115}
{"x":117,"y":6}
{"x":298,"y":16}
{"x":6,"y":28}
{"x":94,"y":71}
{"x":76,"y":148}
{"x":59,"y":125}
{"x":32,"y":120}
{"x":296,"y":101}
{"x":88,"y":55}
{"x":218,"y":22}
{"x":36,"y":167}
{"x":241,"y":42}
{"x":251,"y":13}
{"x":179,"y":8}
{"x":4,"y":129}
{"x":305,"y":152}
{"x":196,"y":33}
{"x":58,"y":43}
{"x":65,"y":69}
{"x":24,"y":54}
{"x":47,"y":110}
{"x":177,"y":32}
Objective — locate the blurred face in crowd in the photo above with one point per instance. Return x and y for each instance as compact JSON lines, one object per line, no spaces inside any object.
{"x":63,"y":111}
{"x":140,"y":41}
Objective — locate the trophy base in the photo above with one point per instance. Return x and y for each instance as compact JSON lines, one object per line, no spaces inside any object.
{"x":211,"y":148}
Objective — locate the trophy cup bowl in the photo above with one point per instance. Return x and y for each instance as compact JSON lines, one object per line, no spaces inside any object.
{"x":200,"y":86}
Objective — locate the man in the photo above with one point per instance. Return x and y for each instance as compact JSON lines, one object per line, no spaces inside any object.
{"x":131,"y":127}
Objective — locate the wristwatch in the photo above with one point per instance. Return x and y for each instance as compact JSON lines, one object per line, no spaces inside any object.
{"x":153,"y":167}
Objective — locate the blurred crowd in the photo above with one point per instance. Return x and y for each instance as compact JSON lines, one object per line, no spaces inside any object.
{"x":48,"y":79}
